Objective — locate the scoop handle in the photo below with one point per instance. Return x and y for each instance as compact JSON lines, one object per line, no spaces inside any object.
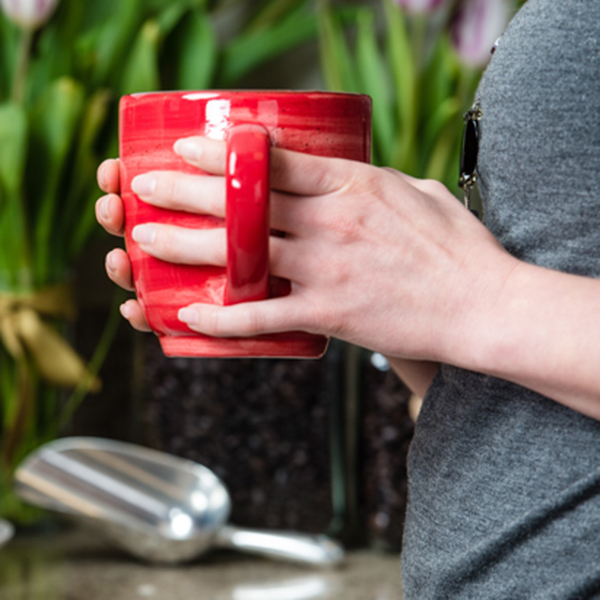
{"x":313,"y":550}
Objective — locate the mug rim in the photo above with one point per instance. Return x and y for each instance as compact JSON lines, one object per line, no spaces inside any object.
{"x":219,"y":93}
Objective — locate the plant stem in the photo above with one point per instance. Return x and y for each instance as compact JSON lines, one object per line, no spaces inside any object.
{"x":24,"y":408}
{"x":20,"y":75}
{"x":106,"y":340}
{"x":419,"y":37}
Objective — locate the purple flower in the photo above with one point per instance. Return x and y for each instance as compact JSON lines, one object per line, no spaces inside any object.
{"x":476,"y":27}
{"x":421,"y":6}
{"x":29,"y":14}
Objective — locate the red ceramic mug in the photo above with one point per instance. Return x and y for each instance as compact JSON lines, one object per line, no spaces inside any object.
{"x":327,"y":124}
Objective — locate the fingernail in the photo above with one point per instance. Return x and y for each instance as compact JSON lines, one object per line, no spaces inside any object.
{"x":144,"y":185}
{"x":188,"y":315}
{"x":188,"y":149}
{"x":125,"y":312}
{"x":101,"y":177}
{"x":144,"y":234}
{"x":110,"y":262}
{"x":104,"y":213}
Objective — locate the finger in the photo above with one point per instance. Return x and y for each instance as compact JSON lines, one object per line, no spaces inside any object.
{"x":246,"y":319}
{"x":132,"y":311}
{"x":111,"y":214}
{"x":118,"y":269}
{"x":200,"y":247}
{"x":293,"y":172}
{"x":206,"y":195}
{"x":202,"y":152}
{"x":181,"y":191}
{"x":108,"y":176}
{"x":182,"y":245}
{"x":308,"y":175}
{"x":294,"y":215}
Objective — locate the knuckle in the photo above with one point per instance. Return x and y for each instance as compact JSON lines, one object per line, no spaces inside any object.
{"x":433,"y":187}
{"x":220,"y":247}
{"x":210,"y":249}
{"x":215,"y":323}
{"x":348,"y":230}
{"x":168,"y":188}
{"x":212,"y":154}
{"x":165,"y":243}
{"x":325,"y":319}
{"x":343,"y":224}
{"x":253,"y":323}
{"x":172,"y":187}
{"x":215,"y":204}
{"x":389,"y":170}
{"x":359,"y":179}
{"x":220,"y":156}
{"x":322,"y":177}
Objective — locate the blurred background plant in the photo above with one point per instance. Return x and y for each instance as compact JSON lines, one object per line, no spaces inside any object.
{"x":63,"y":66}
{"x":420,"y":61}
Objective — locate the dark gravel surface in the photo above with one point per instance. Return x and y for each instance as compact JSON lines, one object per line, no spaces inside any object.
{"x":387,"y":432}
{"x":261,"y":425}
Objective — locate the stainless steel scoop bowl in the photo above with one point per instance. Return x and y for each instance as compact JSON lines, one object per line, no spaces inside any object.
{"x":158,"y":507}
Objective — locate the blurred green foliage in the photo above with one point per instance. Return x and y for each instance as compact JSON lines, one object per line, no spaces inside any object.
{"x":58,"y":119}
{"x":408,"y":65}
{"x":59,"y":92}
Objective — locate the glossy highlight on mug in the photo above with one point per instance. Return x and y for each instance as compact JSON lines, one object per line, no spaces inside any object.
{"x":320,"y":123}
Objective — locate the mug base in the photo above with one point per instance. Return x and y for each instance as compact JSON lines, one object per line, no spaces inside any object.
{"x":284,"y":345}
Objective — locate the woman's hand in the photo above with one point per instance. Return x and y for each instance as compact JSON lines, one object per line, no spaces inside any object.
{"x":111,"y":215}
{"x":375,"y":257}
{"x":381,"y":260}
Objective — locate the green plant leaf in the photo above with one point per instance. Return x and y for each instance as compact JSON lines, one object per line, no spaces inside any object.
{"x":54,"y":124}
{"x":73,"y":227}
{"x":401,"y":59}
{"x":14,"y":239}
{"x":249,"y":50}
{"x":170,"y":16}
{"x":154,"y":6}
{"x":440,"y":77}
{"x":15,"y":272}
{"x":53,"y":55}
{"x":7,"y":396}
{"x":269,"y":12}
{"x":9,"y":39}
{"x":447,"y":112}
{"x":197,"y":54}
{"x":140,"y":72}
{"x":374,"y":80}
{"x":13,"y":145}
{"x":113,"y":39}
{"x":336,"y":62}
{"x":443,"y":154}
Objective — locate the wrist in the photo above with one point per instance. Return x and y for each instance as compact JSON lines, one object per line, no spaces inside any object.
{"x":541,"y":333}
{"x":484,"y":329}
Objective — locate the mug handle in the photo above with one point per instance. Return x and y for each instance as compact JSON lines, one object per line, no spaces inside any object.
{"x":247,"y":213}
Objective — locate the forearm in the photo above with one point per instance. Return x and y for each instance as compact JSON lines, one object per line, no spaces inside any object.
{"x":543,"y":332}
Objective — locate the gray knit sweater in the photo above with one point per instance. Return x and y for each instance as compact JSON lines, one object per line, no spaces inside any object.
{"x":504,"y":484}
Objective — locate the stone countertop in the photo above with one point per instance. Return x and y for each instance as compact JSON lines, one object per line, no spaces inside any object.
{"x":73,"y":565}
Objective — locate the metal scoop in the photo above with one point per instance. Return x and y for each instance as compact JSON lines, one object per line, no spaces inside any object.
{"x":158,"y":507}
